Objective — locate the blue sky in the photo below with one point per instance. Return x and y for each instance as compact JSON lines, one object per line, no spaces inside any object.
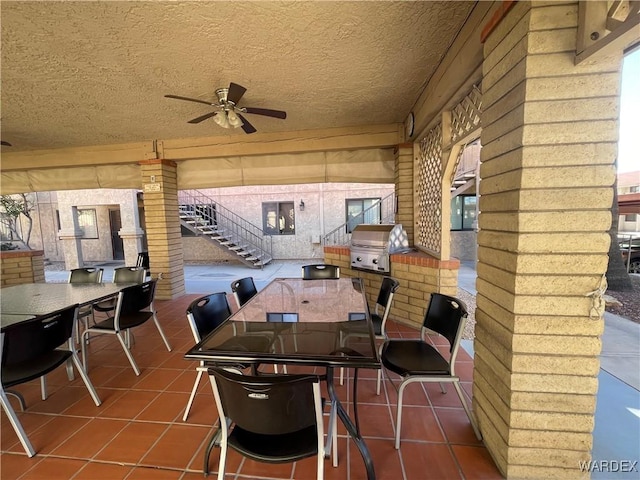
{"x":628,"y":149}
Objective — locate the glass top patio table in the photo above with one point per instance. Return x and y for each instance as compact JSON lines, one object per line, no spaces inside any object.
{"x":309,"y":320}
{"x":31,"y":299}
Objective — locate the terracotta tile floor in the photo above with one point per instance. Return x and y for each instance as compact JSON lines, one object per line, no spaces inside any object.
{"x":138,"y":432}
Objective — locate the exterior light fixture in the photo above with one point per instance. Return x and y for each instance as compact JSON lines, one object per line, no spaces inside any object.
{"x":301,"y":205}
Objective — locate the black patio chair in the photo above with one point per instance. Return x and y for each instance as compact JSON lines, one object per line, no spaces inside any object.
{"x":121,"y":275}
{"x":134,"y":308}
{"x":205,"y":314}
{"x":243,"y":290}
{"x":85,"y":275}
{"x":418,"y":361}
{"x":268,"y":418}
{"x":379,"y":317}
{"x":320,"y":271}
{"x":30,"y":350}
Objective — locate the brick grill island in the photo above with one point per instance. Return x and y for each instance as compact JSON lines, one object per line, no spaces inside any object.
{"x":419,"y":275}
{"x":21,"y":266}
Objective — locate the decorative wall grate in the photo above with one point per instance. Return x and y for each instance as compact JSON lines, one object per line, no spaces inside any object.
{"x":465,"y":117}
{"x":429,"y":191}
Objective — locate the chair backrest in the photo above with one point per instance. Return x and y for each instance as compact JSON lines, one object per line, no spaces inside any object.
{"x":208,"y":312}
{"x":446,"y":316}
{"x":86,"y":275}
{"x":129,"y":275}
{"x":320,"y":271}
{"x":387,"y":289}
{"x":31,"y":339}
{"x":135,"y":298}
{"x":269,"y":404}
{"x":244,"y":290}
{"x":385,"y":297}
{"x":143,"y":260}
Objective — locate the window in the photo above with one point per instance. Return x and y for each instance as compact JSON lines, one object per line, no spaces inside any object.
{"x":362,"y":210}
{"x":278,"y":218}
{"x":631,"y":217}
{"x":463,"y":212}
{"x":87,"y":223}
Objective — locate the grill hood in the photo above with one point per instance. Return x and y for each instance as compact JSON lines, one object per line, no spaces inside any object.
{"x":391,"y":238}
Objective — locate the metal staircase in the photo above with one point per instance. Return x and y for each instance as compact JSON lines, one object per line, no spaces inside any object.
{"x":342,"y":236}
{"x":204,"y":217}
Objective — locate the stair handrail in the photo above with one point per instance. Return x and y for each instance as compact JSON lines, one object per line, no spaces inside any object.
{"x":339,"y":235}
{"x":236,"y":228}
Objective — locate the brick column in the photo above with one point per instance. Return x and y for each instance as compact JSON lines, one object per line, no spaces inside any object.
{"x":549,"y":136}
{"x":404,"y":187}
{"x":163,"y":226}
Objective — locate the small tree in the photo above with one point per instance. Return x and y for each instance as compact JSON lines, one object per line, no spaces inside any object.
{"x":11,"y":208}
{"x":617,"y":276}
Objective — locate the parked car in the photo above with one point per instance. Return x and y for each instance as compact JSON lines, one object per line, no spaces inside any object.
{"x":630,"y":249}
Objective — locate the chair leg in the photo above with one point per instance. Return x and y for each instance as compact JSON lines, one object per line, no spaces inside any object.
{"x":193,"y":394}
{"x":15,"y":423}
{"x":86,"y":380}
{"x":399,"y":414}
{"x":83,"y":347}
{"x":127,"y":352}
{"x":43,"y":387}
{"x":69,"y":367}
{"x":467,"y":410}
{"x":164,"y":338}
{"x":332,"y":435}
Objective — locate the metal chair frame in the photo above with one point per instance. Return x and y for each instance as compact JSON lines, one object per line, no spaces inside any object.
{"x":443,"y":314}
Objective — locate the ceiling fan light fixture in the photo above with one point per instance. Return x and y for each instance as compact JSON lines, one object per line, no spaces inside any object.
{"x":221,"y":119}
{"x":233,"y":119}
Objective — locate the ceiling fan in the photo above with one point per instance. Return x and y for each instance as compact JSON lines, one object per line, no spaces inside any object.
{"x":227,"y":113}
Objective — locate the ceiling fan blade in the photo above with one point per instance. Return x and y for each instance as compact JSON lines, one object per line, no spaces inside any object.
{"x":266,"y":112}
{"x":235,"y":92}
{"x":246,"y":126}
{"x":202,"y":117}
{"x":7,"y":144}
{"x":178,"y":97}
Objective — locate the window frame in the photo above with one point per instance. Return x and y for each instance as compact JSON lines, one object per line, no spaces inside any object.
{"x":288,"y":207}
{"x":465,"y":226}
{"x":349,"y":225}
{"x":93,"y":233}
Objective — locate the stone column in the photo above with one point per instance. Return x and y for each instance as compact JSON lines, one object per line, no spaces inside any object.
{"x":130,"y":232}
{"x":404,"y":187}
{"x":71,"y":236}
{"x":549,"y":141}
{"x":163,"y":226}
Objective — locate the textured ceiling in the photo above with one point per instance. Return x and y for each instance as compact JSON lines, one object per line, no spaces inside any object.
{"x":94,"y":73}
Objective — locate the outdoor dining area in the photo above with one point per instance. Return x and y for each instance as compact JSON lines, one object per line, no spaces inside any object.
{"x":141,"y":405}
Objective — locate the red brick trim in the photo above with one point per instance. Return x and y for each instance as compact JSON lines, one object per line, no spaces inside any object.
{"x":337,"y":250}
{"x":425,"y":260}
{"x":496,"y":19}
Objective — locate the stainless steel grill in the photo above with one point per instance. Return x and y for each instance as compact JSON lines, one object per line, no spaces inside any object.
{"x":371,"y":246}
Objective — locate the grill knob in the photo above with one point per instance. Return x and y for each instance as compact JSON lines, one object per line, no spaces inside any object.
{"x":375,"y":261}
{"x":359,"y":259}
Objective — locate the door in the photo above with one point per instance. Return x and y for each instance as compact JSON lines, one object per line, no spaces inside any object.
{"x":117,"y":245}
